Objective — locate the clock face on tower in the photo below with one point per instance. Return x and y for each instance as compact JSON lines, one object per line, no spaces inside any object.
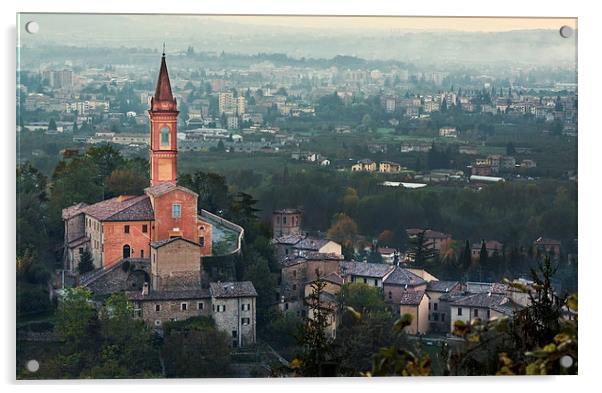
{"x":165,"y":136}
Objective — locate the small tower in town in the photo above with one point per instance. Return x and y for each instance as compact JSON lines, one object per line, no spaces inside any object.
{"x":286,"y":222}
{"x":163,"y":123}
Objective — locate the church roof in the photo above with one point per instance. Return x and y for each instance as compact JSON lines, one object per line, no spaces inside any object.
{"x":135,"y":208}
{"x":163,"y":188}
{"x":163,"y":90}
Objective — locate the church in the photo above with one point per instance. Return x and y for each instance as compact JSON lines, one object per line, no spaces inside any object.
{"x":152,"y":246}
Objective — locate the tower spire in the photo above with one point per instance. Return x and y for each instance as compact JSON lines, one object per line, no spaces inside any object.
{"x":163,"y":90}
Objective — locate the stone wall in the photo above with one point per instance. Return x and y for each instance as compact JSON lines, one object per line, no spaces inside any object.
{"x":170,"y":310}
{"x":233,"y":320}
{"x":119,"y":279}
{"x":176,"y":265}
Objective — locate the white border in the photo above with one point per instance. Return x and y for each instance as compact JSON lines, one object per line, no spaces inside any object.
{"x":589,"y":170}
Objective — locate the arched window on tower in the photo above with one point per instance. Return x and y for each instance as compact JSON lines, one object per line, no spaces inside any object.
{"x":165,"y":136}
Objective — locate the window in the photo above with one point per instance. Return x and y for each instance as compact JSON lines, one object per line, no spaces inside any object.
{"x":429,"y":306}
{"x":284,"y":220}
{"x":476,"y":312}
{"x":488,"y":313}
{"x":435,"y":306}
{"x":391,"y":296}
{"x":246,"y":321}
{"x":200,"y":305}
{"x":202,"y":241}
{"x":164,"y":136}
{"x":157,"y":322}
{"x":294,"y":273}
{"x":126,"y":229}
{"x":141,"y":253}
{"x":183,"y":306}
{"x":442,"y":317}
{"x":435,"y":316}
{"x":81,"y":250}
{"x":176,"y":210}
{"x":234,"y":334}
{"x":365,"y":281}
{"x":294,"y":287}
{"x":144,"y":228}
{"x":157,"y":307}
{"x":224,"y":308}
{"x":459,"y":310}
{"x":375,"y":282}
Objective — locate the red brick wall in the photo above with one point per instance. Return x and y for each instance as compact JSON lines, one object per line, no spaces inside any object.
{"x":165,"y":223}
{"x":115,"y":238}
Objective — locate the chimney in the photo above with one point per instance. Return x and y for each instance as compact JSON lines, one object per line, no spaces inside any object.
{"x":145,"y":289}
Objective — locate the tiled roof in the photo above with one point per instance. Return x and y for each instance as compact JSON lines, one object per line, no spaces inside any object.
{"x":364,"y":269}
{"x":483,"y":300}
{"x":161,"y":243}
{"x":333,"y":278}
{"x":162,"y":188}
{"x":411,"y":298}
{"x":232,"y":289}
{"x":136,"y":208}
{"x":310,"y":256}
{"x":311,"y":243}
{"x":442,"y":286}
{"x":401,"y":276}
{"x":73,"y":210}
{"x":183,"y":294}
{"x":289,"y":239}
{"x":484,"y":287}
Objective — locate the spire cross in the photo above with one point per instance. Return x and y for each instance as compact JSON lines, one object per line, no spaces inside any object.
{"x":164,"y":49}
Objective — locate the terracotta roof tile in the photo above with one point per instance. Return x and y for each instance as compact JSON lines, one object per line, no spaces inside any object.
{"x":137,"y":208}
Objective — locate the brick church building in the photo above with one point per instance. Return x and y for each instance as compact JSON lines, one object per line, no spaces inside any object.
{"x":163,"y":237}
{"x":127,"y":225}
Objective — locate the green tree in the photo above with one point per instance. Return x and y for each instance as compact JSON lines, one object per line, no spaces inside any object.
{"x":193,"y":350}
{"x":74,"y":315}
{"x":420,"y":250}
{"x":86,"y":263}
{"x":317,"y":358}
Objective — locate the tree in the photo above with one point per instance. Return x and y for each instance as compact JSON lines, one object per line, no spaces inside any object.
{"x":361,"y":297}
{"x":317,"y":358}
{"x":343,"y":230}
{"x":125,"y":182}
{"x":531,"y":341}
{"x":196,"y":350}
{"x":74,"y":315}
{"x":421,"y":251}
{"x":86,"y":263}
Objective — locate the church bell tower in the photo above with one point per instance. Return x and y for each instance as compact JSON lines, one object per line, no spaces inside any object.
{"x":163,"y":122}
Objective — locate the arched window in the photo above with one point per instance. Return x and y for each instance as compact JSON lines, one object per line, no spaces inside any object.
{"x":126,"y":251}
{"x":164,"y":136}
